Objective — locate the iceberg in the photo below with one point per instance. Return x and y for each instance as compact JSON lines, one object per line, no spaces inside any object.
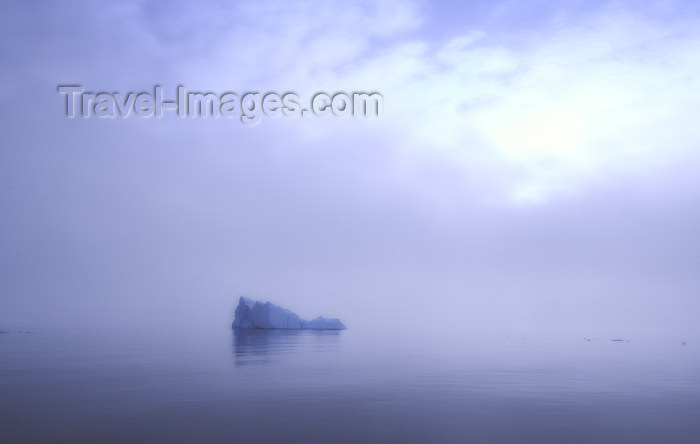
{"x":256,"y":314}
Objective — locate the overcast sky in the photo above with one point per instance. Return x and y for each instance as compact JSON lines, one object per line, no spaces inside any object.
{"x":536,"y":167}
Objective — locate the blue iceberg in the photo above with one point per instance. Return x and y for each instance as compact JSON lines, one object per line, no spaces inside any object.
{"x":256,"y":314}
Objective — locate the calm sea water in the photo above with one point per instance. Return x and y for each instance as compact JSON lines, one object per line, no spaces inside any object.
{"x":344,"y":387}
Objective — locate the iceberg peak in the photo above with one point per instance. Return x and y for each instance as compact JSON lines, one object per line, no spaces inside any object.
{"x":256,"y":314}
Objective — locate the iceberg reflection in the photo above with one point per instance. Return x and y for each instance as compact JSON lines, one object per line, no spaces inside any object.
{"x":259,"y":346}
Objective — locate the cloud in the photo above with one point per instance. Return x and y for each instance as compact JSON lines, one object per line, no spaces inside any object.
{"x":551,"y":110}
{"x":612,"y":95}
